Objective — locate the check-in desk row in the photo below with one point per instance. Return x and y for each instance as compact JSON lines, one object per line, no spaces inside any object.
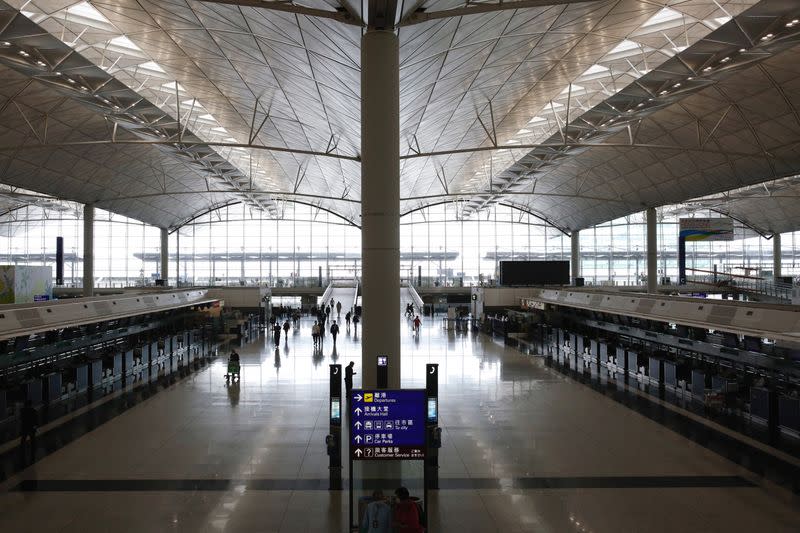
{"x":109,"y":371}
{"x":659,"y":371}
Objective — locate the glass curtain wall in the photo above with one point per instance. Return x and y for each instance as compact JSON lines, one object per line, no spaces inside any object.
{"x":28,"y":237}
{"x":307,"y":246}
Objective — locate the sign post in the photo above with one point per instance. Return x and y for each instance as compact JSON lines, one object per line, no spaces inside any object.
{"x":388,"y":425}
{"x":333,"y":441}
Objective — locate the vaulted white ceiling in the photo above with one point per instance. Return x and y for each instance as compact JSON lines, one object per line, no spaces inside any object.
{"x":163,"y":109}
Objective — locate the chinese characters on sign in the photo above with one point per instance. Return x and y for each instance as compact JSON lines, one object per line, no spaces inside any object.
{"x":387,"y":424}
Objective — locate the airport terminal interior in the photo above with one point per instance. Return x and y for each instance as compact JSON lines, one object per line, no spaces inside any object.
{"x":385,"y":267}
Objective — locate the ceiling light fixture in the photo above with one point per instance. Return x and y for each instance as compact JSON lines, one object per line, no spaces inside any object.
{"x":23,"y":53}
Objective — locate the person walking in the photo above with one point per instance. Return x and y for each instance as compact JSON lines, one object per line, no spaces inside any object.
{"x":286,"y":327}
{"x":315,"y":334}
{"x":338,"y":308}
{"x":417,"y":323}
{"x":276,"y":334}
{"x":334,"y":331}
{"x":348,"y":378}
{"x":29,"y":422}
{"x":347,"y":320}
{"x":356,"y":320}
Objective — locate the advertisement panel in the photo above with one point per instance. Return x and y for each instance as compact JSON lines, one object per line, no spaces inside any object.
{"x":706,"y":229}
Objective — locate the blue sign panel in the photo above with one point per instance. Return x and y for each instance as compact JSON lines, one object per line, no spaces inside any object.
{"x":387,"y":424}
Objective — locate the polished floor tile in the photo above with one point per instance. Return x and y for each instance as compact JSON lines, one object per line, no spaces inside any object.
{"x":525,"y":448}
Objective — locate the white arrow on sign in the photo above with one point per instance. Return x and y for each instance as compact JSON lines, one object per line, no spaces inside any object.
{"x":358,"y":439}
{"x":357,"y":411}
{"x":357,"y":397}
{"x":358,"y":452}
{"x":358,"y":425}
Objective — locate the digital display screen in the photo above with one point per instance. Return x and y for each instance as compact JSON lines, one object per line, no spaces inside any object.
{"x":383,"y":360}
{"x":336,"y":409}
{"x":433,"y":410}
{"x":524,"y":273}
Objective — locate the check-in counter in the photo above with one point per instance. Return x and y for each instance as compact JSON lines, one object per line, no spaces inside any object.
{"x":96,"y":373}
{"x":655,"y":371}
{"x":117,"y":365}
{"x":129,"y":365}
{"x":174,"y":353}
{"x":699,"y":384}
{"x":621,"y":362}
{"x":762,"y":404}
{"x":788,"y":413}
{"x":81,"y":377}
{"x":602,"y":355}
{"x":53,"y":388}
{"x":632,"y":366}
{"x":32,"y":390}
{"x":670,"y":374}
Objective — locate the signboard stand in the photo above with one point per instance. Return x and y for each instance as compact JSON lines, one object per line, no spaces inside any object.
{"x":333,"y":441}
{"x":387,"y":427}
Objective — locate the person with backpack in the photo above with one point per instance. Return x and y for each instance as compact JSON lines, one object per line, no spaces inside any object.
{"x":334,"y":331}
{"x":406,"y":516}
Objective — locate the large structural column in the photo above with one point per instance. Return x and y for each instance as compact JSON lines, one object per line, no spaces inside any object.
{"x":575,"y":263}
{"x":380,"y":204}
{"x":88,"y":250}
{"x":776,"y":256}
{"x":652,"y":250}
{"x":165,"y":255}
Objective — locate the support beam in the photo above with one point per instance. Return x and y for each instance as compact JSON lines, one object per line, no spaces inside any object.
{"x":380,"y":204}
{"x":165,"y":256}
{"x":652,"y":250}
{"x":88,"y":250}
{"x":177,"y":259}
{"x":575,"y":263}
{"x":345,"y":16}
{"x":776,"y":256}
{"x":419,"y":16}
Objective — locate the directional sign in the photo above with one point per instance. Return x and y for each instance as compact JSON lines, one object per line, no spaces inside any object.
{"x":387,"y":424}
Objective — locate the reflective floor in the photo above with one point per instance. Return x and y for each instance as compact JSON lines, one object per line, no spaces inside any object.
{"x":525,"y":449}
